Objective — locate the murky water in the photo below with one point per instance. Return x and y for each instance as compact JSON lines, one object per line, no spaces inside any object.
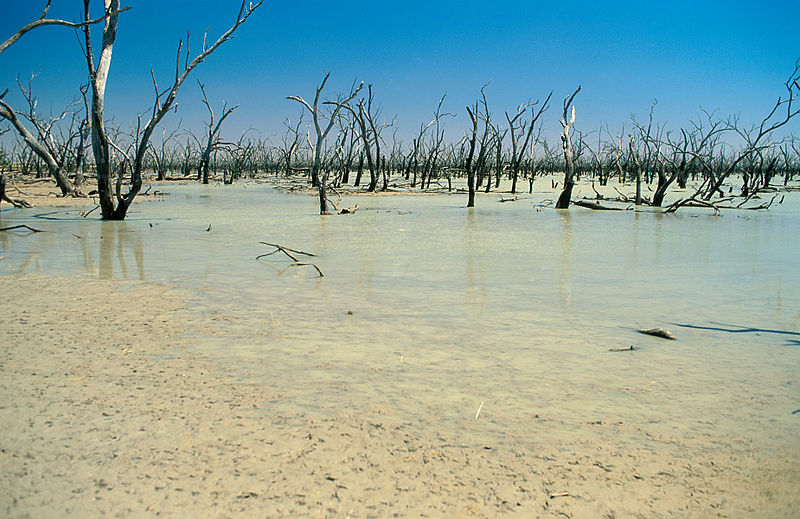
{"x":426,"y":310}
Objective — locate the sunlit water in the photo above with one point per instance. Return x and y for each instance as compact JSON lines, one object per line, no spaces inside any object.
{"x":428,"y":310}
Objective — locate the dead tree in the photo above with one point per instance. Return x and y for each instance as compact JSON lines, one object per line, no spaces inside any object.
{"x":756,"y":137}
{"x":160,"y":163}
{"x":350,"y":144}
{"x":317,"y":117}
{"x":43,"y":144}
{"x":42,"y":21}
{"x":116,"y":207}
{"x":634,"y":158}
{"x":291,"y":140}
{"x":83,"y":135}
{"x":370,"y":134}
{"x":212,"y":135}
{"x":597,"y":160}
{"x":473,"y":138}
{"x":321,"y":133}
{"x":517,"y":131}
{"x":3,"y":196}
{"x":567,"y":119}
{"x":238,"y":155}
{"x":683,"y":154}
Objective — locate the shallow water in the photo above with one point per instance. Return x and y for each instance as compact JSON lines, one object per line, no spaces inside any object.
{"x":506,"y":308}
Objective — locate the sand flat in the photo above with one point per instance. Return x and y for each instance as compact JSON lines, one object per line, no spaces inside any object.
{"x":107,"y":413}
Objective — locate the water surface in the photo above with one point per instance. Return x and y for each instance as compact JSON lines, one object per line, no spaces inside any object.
{"x":428,"y":310}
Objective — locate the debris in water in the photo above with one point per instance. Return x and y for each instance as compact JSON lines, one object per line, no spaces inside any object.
{"x":629,"y":348}
{"x":659,"y":332}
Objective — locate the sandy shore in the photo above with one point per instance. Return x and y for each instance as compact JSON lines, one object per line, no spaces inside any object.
{"x":107,"y":413}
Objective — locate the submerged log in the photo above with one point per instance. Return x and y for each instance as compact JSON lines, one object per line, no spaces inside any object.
{"x":629,"y":348}
{"x":659,"y":332}
{"x":2,"y":229}
{"x":595,"y":206}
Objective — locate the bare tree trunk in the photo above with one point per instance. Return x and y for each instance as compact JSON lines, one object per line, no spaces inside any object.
{"x":112,"y":209}
{"x":321,"y":134}
{"x":41,"y":151}
{"x":637,"y":162}
{"x":323,"y":197}
{"x":566,"y":144}
{"x":360,"y":169}
{"x":471,"y":170}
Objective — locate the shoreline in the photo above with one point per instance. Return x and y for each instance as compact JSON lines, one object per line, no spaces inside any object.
{"x":44,"y":194}
{"x":108,"y":413}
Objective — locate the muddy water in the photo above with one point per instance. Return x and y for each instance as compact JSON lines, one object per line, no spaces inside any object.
{"x":428,"y":312}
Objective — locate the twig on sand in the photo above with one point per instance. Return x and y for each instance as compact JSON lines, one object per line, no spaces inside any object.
{"x":559,"y":494}
{"x":479,"y":411}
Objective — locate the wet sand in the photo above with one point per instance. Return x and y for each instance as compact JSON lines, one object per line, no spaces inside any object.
{"x":106,"y":412}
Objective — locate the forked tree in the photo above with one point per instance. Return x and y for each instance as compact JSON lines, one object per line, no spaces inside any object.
{"x":321,"y":132}
{"x":114,"y":204}
{"x":370,"y":135}
{"x":43,"y":21}
{"x":290,"y":142}
{"x":42,"y":143}
{"x":213,"y":141}
{"x":480,"y":112}
{"x":567,"y":120}
{"x":517,"y":131}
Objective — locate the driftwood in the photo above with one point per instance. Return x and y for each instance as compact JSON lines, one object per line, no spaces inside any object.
{"x":659,"y":332}
{"x":696,"y":202}
{"x":290,"y":253}
{"x":348,"y":210}
{"x":629,"y":348}
{"x":595,"y":205}
{"x":21,"y":227}
{"x":281,"y":248}
{"x":625,"y":198}
{"x":84,"y":214}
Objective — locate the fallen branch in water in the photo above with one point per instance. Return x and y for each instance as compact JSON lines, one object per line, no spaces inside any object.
{"x":281,"y":248}
{"x":304,"y":264}
{"x":288,"y":252}
{"x":629,"y":348}
{"x":84,"y":214}
{"x":658,"y":332}
{"x":21,"y":227}
{"x":595,"y":206}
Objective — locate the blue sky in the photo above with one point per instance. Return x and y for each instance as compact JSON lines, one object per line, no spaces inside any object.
{"x":726,"y":56}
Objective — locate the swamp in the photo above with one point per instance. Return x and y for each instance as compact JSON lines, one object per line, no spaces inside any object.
{"x":503,"y":313}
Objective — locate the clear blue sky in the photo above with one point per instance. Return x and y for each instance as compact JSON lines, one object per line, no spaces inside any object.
{"x":731,"y":56}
